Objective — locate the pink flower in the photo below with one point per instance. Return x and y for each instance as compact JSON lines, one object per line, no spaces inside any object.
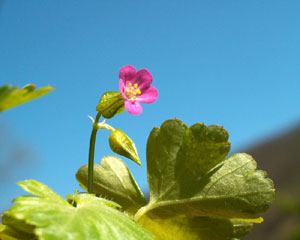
{"x":135,"y":88}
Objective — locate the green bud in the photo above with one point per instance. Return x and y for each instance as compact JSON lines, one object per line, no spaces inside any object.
{"x":121,"y":144}
{"x":111,"y":103}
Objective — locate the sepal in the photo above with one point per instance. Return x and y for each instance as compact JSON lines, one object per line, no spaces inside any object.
{"x":111,"y":103}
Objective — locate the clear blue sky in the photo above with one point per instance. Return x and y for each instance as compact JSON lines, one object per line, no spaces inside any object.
{"x":232,"y":63}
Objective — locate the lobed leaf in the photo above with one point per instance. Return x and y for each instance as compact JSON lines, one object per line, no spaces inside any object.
{"x":196,"y":228}
{"x":192,"y":184}
{"x":113,"y":180}
{"x":48,"y":216}
{"x":13,"y":96}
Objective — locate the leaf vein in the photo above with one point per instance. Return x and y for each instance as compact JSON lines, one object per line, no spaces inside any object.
{"x":221,"y":177}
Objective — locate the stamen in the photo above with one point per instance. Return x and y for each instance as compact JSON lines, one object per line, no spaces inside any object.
{"x":128,"y":91}
{"x":134,"y":97}
{"x":134,"y":93}
{"x":130,"y":84}
{"x":138,"y":91}
{"x":135,"y":85}
{"x":132,"y":88}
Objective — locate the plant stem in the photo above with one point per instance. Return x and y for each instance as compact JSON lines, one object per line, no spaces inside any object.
{"x":91,"y":154}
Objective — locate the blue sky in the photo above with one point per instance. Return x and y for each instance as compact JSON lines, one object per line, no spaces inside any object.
{"x":232,"y":63}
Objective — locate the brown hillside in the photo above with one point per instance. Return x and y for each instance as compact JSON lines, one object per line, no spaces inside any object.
{"x":280,"y":157}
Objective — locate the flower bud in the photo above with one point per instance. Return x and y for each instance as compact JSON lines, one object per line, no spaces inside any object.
{"x":121,"y":144}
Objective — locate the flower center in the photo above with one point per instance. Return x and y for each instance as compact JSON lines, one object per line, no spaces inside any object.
{"x":132,"y":91}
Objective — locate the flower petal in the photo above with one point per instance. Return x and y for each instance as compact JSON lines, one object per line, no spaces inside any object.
{"x":133,"y":107}
{"x":122,"y":88}
{"x":143,"y":79}
{"x":127,"y":73}
{"x":148,"y":96}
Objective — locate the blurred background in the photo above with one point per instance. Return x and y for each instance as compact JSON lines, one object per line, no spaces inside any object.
{"x":232,"y":63}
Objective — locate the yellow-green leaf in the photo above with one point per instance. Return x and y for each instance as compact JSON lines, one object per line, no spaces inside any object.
{"x":45,"y":215}
{"x":12,"y":96}
{"x":113,"y":180}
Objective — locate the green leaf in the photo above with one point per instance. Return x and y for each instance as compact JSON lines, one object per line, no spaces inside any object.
{"x":9,"y":233}
{"x":111,"y":103}
{"x":13,"y":96}
{"x":121,"y":144}
{"x":195,"y":228}
{"x":47,"y":216}
{"x":113,"y":180}
{"x":192,"y":184}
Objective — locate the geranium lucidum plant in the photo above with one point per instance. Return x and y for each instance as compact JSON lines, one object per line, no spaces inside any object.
{"x":196,"y":190}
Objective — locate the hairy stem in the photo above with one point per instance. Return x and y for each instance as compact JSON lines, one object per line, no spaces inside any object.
{"x":91,"y":154}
